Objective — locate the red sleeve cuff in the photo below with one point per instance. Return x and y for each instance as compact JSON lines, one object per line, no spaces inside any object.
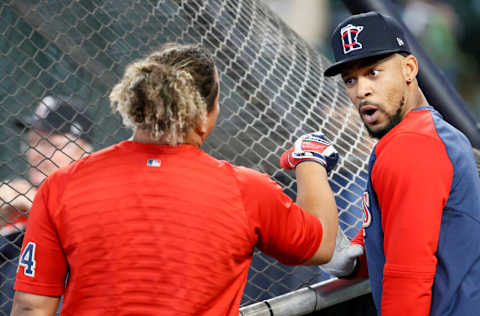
{"x":39,"y":289}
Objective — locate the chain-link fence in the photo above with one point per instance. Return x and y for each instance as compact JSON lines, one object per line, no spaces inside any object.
{"x":272,"y":91}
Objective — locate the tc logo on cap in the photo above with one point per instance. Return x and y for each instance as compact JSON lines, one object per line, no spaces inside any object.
{"x":349,"y":35}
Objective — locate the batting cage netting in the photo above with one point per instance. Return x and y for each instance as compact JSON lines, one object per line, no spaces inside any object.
{"x":272,"y":91}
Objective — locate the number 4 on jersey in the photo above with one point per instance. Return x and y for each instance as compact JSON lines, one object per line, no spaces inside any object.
{"x":27,"y":260}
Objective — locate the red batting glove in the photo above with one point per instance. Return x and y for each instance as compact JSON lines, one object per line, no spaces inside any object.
{"x":310,"y":147}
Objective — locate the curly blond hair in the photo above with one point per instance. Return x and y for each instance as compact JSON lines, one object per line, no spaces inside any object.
{"x":167,"y":93}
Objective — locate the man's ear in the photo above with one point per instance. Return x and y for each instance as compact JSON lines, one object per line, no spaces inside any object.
{"x":202,"y":129}
{"x":410,"y":68}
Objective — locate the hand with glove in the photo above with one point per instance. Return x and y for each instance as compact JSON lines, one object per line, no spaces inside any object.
{"x":310,"y":147}
{"x":314,"y":194}
{"x":345,"y":257}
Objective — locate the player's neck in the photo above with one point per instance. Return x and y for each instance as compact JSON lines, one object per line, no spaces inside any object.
{"x":193,"y":138}
{"x":417,"y":98}
{"x":143,"y":136}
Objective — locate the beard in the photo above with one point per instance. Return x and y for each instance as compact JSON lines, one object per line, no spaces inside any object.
{"x":393,"y":121}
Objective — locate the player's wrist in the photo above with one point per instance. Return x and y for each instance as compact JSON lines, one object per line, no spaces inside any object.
{"x":310,"y":166}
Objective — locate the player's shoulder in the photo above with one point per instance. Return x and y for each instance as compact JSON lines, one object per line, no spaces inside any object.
{"x":408,"y":141}
{"x":104,"y":154}
{"x":412,"y":147}
{"x":62,"y":174}
{"x":101,"y":154}
{"x":255,"y":183}
{"x":415,"y":133}
{"x":248,"y":175}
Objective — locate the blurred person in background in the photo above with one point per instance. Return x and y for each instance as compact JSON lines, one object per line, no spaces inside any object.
{"x":57,"y":134}
{"x":156,"y":226}
{"x":308,"y":18}
{"x":446,"y":29}
{"x":435,"y":25}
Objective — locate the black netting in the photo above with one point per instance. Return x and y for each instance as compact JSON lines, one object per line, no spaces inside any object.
{"x":272,"y":91}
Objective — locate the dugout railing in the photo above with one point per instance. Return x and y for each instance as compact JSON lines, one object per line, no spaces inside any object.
{"x":311,"y":299}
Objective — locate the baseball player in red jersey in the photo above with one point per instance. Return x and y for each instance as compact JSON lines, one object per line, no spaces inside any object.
{"x":422,"y":203}
{"x":156,"y":226}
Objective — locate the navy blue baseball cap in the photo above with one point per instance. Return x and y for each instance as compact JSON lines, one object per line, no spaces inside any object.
{"x":60,"y":115}
{"x":365,"y":35}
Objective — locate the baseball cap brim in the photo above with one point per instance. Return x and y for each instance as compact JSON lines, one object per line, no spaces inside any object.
{"x":22,"y":124}
{"x":61,"y":121}
{"x":337,"y":67}
{"x":28,"y":123}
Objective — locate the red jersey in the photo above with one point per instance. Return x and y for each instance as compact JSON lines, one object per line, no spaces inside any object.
{"x":422,"y":220}
{"x":157,"y":230}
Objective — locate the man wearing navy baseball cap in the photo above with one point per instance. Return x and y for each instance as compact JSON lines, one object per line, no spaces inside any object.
{"x":58,"y":132}
{"x":365,"y":35}
{"x":422,"y":204}
{"x":60,"y":115}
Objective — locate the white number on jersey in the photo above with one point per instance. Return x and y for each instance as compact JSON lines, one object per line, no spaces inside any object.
{"x":27,"y":260}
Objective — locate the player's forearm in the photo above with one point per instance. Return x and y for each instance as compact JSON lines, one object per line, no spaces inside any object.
{"x":315,"y":196}
{"x":21,"y":310}
{"x":27,"y":304}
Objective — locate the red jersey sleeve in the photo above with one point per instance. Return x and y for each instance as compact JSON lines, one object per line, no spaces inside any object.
{"x":42,"y":265}
{"x":282,"y":229}
{"x":412,"y":178}
{"x":362,"y":260}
